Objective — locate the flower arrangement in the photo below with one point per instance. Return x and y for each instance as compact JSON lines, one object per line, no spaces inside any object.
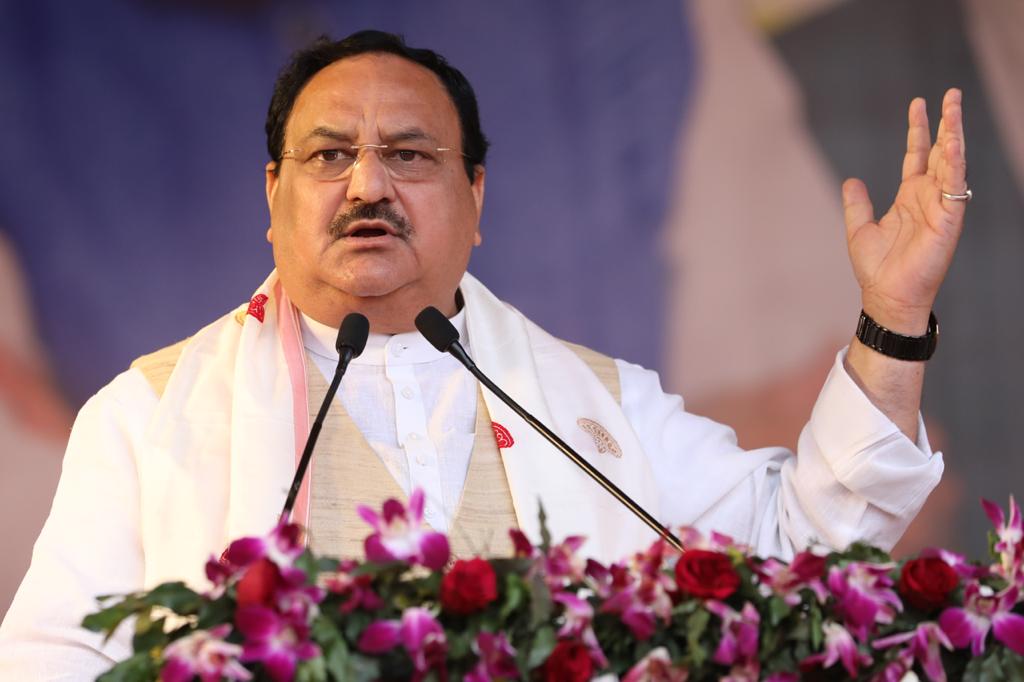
{"x":714,"y":611}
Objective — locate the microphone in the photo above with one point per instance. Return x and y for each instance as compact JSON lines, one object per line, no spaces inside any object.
{"x":352,"y":335}
{"x":443,"y":336}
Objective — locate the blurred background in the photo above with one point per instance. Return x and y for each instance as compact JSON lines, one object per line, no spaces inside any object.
{"x":663,"y":186}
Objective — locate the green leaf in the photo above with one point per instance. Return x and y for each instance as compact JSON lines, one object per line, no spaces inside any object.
{"x":778,"y":610}
{"x":695,"y":627}
{"x":139,"y":667}
{"x":213,"y":613}
{"x":985,"y":668}
{"x":337,"y":660}
{"x":308,"y":564}
{"x":312,"y":670}
{"x":541,"y":605}
{"x":991,"y":670}
{"x":515,"y":594}
{"x":149,"y":635}
{"x":543,"y":644}
{"x":545,"y":534}
{"x":176,"y":597}
{"x":816,"y":629}
{"x":1013,"y":665}
{"x":362,"y":669}
{"x":459,"y":644}
{"x":108,"y":619}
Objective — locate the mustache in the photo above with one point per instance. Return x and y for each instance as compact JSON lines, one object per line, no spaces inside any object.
{"x":376,"y":211}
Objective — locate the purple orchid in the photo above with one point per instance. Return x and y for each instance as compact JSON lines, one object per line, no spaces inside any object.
{"x":983,"y":610}
{"x":714,"y":542}
{"x":1009,"y":541}
{"x":274,"y":641}
{"x":896,"y":670}
{"x":640,"y":592}
{"x":656,"y":666}
{"x":958,"y":562}
{"x":738,"y":645}
{"x":399,"y":535}
{"x":924,"y":642}
{"x":563,"y":565}
{"x":204,"y":654}
{"x":299,"y":604}
{"x":805,"y":571}
{"x":839,"y":647}
{"x":864,"y":596}
{"x":578,"y":614}
{"x":281,"y":547}
{"x":420,"y":635}
{"x":578,"y":619}
{"x":497,"y":659}
{"x":357,"y":591}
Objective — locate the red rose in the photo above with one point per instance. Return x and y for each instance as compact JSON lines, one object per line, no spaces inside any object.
{"x":926,"y":583}
{"x":258,"y":584}
{"x":469,"y":586}
{"x":569,"y":662}
{"x":707,"y":575}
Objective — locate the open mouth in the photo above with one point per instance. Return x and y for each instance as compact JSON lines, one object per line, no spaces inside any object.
{"x":368,"y":232}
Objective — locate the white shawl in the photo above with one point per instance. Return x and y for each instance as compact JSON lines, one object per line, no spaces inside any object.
{"x":226,"y":434}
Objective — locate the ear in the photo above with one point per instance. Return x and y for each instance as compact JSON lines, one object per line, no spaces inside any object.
{"x":477,"y":187}
{"x":271,"y":170}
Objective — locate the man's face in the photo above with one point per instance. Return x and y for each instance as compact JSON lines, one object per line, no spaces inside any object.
{"x":353,"y":243}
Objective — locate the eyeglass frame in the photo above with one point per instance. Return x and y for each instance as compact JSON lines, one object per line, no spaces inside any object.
{"x":368,"y":145}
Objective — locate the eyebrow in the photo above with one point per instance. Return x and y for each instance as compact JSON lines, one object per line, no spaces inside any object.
{"x":330,"y":133}
{"x":403,"y":135}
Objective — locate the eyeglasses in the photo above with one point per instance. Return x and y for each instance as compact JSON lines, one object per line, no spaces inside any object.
{"x":409,"y":162}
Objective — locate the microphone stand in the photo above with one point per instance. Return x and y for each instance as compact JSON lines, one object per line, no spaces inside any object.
{"x":351,"y":340}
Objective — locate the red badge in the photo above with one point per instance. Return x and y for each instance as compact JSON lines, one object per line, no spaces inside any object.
{"x":256,"y":306}
{"x":502,"y":435}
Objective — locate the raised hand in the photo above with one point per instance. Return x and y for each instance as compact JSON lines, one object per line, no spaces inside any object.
{"x":901,"y":259}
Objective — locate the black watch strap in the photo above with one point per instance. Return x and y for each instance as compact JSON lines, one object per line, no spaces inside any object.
{"x":888,"y":342}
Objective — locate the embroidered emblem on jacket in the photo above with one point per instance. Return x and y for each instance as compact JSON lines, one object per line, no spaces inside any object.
{"x":602,"y":439}
{"x":502,"y":435}
{"x":256,"y":306}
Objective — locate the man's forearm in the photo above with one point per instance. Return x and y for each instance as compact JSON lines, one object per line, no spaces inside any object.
{"x":893,"y":386}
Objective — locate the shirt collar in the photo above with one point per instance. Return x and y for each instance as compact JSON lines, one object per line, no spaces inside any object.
{"x":392,"y":349}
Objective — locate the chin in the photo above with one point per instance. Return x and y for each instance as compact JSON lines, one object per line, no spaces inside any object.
{"x":370,"y":285}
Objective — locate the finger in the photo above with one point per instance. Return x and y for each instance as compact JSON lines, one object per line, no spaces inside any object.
{"x":954,"y":177}
{"x":935,"y":155}
{"x":954,"y":133}
{"x":950,"y":125}
{"x":857,"y":208}
{"x":952,"y":112}
{"x":919,"y":139}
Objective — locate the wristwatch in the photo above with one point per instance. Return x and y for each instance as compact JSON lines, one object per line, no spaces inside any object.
{"x":888,"y":342}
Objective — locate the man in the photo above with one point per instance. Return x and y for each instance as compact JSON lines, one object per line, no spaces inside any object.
{"x":375,"y":188}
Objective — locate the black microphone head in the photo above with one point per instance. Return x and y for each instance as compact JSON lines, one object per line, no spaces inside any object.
{"x":355,"y":329}
{"x":436,"y":328}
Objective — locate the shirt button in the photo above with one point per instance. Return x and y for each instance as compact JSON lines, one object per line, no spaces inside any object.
{"x":413,"y":436}
{"x":408,"y":393}
{"x":420,"y":460}
{"x":397,"y":349}
{"x":429,"y":514}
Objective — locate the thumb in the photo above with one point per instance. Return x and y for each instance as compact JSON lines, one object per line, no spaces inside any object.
{"x":857,"y":208}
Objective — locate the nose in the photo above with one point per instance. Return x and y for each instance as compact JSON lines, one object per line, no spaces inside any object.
{"x":369,"y":179}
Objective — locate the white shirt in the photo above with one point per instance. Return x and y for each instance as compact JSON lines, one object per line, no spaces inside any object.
{"x":135,"y":508}
{"x":415,"y":406}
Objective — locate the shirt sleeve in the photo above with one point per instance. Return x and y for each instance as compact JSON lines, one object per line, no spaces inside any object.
{"x":855,"y":475}
{"x":89,"y":546}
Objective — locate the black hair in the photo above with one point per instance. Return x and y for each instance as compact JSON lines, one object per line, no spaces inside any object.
{"x":323,"y":52}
